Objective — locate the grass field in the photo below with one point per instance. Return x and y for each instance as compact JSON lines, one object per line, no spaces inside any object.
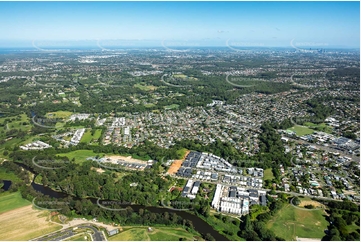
{"x":87,"y":137}
{"x":79,"y":155}
{"x":184,"y":77}
{"x":16,"y":122}
{"x":300,"y":131}
{"x":308,"y":201}
{"x":59,"y":114}
{"x":10,"y":201}
{"x":268,"y":174}
{"x":145,"y":88}
{"x":4,"y":175}
{"x":173,"y":106}
{"x":320,"y":127}
{"x":158,"y":234}
{"x":290,"y":222}
{"x":25,"y":223}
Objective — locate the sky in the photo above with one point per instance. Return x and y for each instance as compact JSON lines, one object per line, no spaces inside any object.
{"x":300,"y":24}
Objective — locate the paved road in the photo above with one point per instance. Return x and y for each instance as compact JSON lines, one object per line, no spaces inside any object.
{"x":64,"y":236}
{"x":66,"y":233}
{"x":57,"y":236}
{"x":98,"y":235}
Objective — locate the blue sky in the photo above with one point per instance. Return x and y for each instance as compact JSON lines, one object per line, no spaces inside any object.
{"x":183,"y":23}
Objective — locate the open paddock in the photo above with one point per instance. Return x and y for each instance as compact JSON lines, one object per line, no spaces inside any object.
{"x":25,"y":223}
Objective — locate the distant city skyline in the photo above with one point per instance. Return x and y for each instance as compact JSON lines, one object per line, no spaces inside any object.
{"x":185,"y":24}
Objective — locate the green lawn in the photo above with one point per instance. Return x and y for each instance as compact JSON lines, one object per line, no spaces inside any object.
{"x":135,"y":234}
{"x":4,"y":175}
{"x":172,"y":106}
{"x":145,"y":88}
{"x":300,"y":131}
{"x":79,"y":155}
{"x":10,"y":201}
{"x":59,"y":114}
{"x":290,"y":222}
{"x":87,"y":137}
{"x":17,"y":123}
{"x":320,"y":127}
{"x":170,"y":234}
{"x":158,"y":234}
{"x":268,"y":174}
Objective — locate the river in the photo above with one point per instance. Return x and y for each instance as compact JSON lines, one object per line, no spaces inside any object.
{"x":7,"y":185}
{"x":200,"y":225}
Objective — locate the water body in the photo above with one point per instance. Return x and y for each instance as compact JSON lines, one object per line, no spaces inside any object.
{"x":7,"y":185}
{"x":199,"y":225}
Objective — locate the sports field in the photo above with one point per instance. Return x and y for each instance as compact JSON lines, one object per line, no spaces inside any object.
{"x":301,"y":130}
{"x":157,"y":234}
{"x":320,"y":127}
{"x":290,"y":222}
{"x":25,"y":223}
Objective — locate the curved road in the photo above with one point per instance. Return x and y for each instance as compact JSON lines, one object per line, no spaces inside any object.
{"x":66,"y":233}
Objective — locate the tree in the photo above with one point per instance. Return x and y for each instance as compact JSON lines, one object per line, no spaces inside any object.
{"x":296,"y":201}
{"x":335,"y":238}
{"x":209,"y":237}
{"x":247,"y":223}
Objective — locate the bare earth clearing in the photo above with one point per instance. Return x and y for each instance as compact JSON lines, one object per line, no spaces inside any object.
{"x":177,"y":164}
{"x":175,"y":167}
{"x":129,"y":159}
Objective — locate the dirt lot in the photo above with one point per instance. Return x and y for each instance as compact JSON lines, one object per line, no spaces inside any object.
{"x":129,"y":159}
{"x":175,"y":167}
{"x":25,"y":223}
{"x":314,"y":203}
{"x":177,"y":164}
